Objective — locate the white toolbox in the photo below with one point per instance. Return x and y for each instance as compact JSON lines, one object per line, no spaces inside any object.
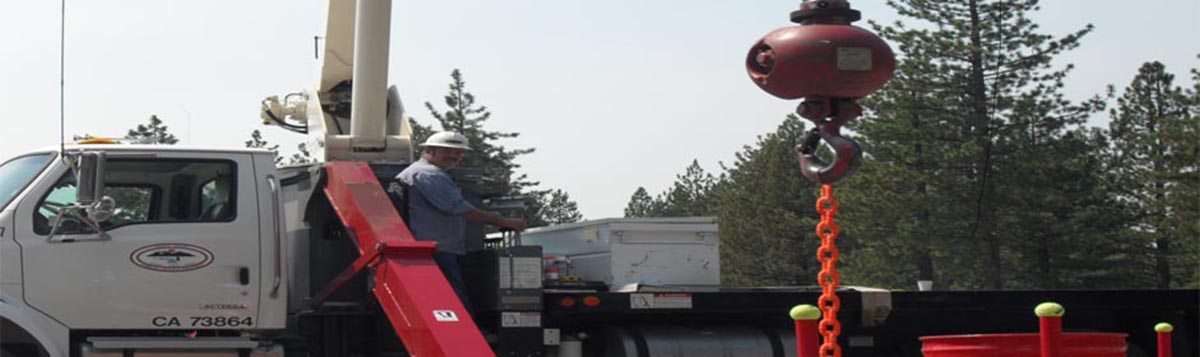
{"x":630,"y":252}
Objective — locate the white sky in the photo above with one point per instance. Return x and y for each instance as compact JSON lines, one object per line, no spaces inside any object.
{"x":614,"y":94}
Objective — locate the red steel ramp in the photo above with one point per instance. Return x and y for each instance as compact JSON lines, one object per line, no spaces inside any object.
{"x":418,"y":301}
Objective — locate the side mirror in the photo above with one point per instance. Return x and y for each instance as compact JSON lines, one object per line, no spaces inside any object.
{"x":91,"y":206}
{"x":89,"y":173}
{"x":102,"y":210}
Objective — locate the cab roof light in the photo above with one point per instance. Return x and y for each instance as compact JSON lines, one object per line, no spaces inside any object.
{"x":96,"y":141}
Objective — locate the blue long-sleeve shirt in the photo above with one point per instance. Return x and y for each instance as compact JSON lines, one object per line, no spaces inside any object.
{"x":435,"y":206}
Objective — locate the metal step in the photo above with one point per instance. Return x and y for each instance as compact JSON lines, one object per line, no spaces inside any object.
{"x":176,"y":347}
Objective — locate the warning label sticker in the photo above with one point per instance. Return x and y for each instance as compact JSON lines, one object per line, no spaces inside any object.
{"x":660,"y":301}
{"x":521,"y":319}
{"x":520,"y":273}
{"x":527,"y":273}
{"x":445,"y":316}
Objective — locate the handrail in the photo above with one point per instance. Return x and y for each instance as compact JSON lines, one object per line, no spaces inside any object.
{"x":275,"y":213}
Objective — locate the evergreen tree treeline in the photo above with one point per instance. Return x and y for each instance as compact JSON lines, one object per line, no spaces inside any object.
{"x":464,"y":115}
{"x":978,"y":173}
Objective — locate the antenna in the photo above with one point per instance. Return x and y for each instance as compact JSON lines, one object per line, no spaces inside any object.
{"x":62,"y":81}
{"x":189,"y":119}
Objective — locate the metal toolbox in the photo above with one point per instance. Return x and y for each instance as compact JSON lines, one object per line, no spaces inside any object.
{"x":622,"y":252}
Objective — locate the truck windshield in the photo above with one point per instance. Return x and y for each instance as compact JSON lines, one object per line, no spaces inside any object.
{"x":16,"y":174}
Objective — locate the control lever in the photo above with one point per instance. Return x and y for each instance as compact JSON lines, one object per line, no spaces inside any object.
{"x":512,"y":237}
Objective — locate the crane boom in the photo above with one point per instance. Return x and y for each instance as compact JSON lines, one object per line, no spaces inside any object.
{"x":338,"y":59}
{"x":350,"y":111}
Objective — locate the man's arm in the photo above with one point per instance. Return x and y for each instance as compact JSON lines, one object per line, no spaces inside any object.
{"x":445,"y":196}
{"x":480,"y":216}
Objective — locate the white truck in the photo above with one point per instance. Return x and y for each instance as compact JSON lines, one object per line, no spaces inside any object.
{"x":191,"y":241}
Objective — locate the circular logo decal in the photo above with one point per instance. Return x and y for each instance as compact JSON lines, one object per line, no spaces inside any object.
{"x":171,"y":257}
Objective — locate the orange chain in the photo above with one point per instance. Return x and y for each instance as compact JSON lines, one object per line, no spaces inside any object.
{"x":829,"y":303}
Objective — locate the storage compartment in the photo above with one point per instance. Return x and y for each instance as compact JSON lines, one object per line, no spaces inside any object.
{"x":626,"y":253}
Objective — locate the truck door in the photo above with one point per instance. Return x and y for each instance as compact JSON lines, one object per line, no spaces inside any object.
{"x":182,"y":253}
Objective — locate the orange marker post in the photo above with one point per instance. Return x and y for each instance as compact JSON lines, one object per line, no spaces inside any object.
{"x":806,"y":317}
{"x":1050,"y":322}
{"x":1164,"y":338}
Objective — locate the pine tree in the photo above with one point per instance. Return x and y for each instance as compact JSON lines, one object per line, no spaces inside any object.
{"x":1186,"y":195}
{"x":552,"y":207}
{"x":497,"y":162}
{"x":419,"y":132}
{"x":642,"y":205}
{"x":153,"y":133}
{"x":1154,"y":163}
{"x":961,"y":137}
{"x":766,"y":214}
{"x":302,"y":155}
{"x":898,"y":217}
{"x":257,"y":142}
{"x":689,"y":195}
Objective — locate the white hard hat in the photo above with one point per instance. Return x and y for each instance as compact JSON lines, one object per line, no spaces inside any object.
{"x":447,"y":139}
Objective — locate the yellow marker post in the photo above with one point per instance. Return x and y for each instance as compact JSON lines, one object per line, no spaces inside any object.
{"x":1164,"y":338}
{"x":1050,"y":322}
{"x":806,"y":317}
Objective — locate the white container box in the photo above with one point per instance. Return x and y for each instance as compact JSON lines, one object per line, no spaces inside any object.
{"x":621,"y":252}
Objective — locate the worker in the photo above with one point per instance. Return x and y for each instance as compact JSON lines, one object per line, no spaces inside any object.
{"x":436,"y":207}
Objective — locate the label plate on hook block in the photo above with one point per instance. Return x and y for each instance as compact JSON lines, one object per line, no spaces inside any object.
{"x":854,"y":59}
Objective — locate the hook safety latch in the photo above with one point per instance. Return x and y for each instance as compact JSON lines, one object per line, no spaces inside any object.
{"x":828,"y":115}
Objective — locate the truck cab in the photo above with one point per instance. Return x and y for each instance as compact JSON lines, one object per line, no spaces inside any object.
{"x":178,"y":240}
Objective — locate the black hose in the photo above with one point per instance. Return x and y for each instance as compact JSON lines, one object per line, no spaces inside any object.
{"x":303,"y":129}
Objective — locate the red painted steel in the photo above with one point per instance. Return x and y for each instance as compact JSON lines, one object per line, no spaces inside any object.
{"x":414,"y":294}
{"x":361,"y":264}
{"x":820,"y":60}
{"x":807,"y":342}
{"x":1050,"y":335}
{"x":1164,"y":344}
{"x":1023,"y":345}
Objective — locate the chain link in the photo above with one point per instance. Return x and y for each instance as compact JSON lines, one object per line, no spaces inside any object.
{"x":829,"y":279}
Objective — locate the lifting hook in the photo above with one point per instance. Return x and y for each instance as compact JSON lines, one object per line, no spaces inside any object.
{"x":828,"y":114}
